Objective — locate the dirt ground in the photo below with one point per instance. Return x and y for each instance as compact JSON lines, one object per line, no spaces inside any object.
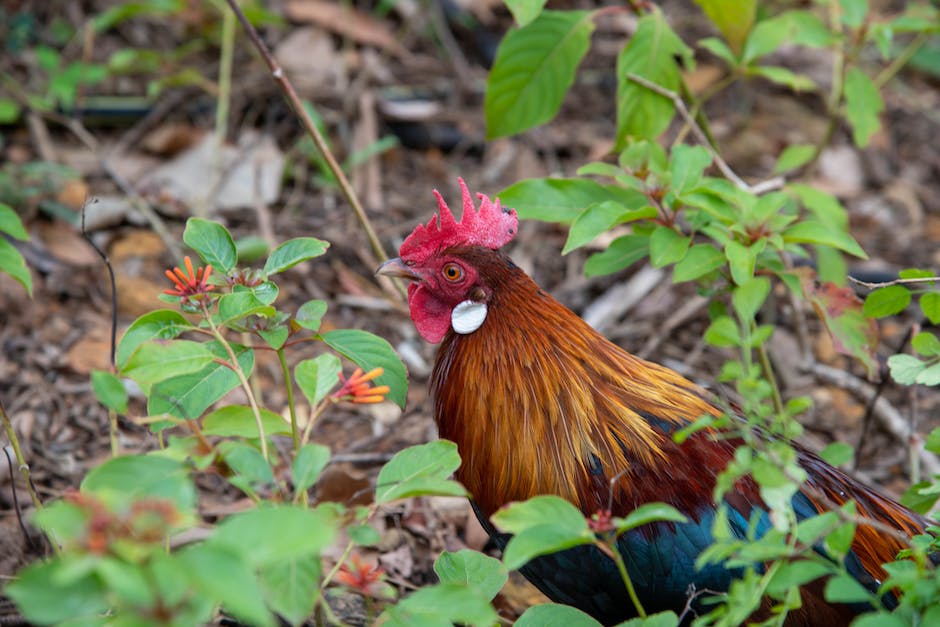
{"x":419,"y":78}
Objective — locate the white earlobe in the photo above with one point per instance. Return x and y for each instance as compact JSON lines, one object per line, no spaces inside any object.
{"x":468,"y":316}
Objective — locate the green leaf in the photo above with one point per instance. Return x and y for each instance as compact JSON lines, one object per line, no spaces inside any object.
{"x":292,"y":252}
{"x":291,"y":587}
{"x":163,"y":324}
{"x":472,"y":568}
{"x":853,"y":333}
{"x":363,"y":535}
{"x":929,"y":376}
{"x":723,"y":333}
{"x":749,"y":297}
{"x":46,"y":598}
{"x":269,"y":534}
{"x":560,"y":200}
{"x":766,"y":37}
{"x":534,"y":67}
{"x":212,"y":242}
{"x":734,"y":18}
{"x":926,"y":343}
{"x":240,"y":304}
{"x":837,"y":453}
{"x":132,"y":477}
{"x":720,"y":49}
{"x":221,"y":573}
{"x":887,"y":301}
{"x":649,"y":513}
{"x":555,"y":615}
{"x":601,"y":217}
{"x":905,"y":368}
{"x":188,"y":395}
{"x":796,"y":574}
{"x":420,"y":470}
{"x":667,"y":246}
{"x":741,"y":260}
{"x":444,"y":605}
{"x":109,"y":391}
{"x":794,"y":156}
{"x":239,"y":421}
{"x":662,"y":619}
{"x":9,"y":111}
{"x":12,"y":262}
{"x":854,"y":12}
{"x":687,"y":166}
{"x":541,"y":525}
{"x":540,"y":540}
{"x":11,"y":224}
{"x":524,"y":11}
{"x":651,"y":54}
{"x":310,"y":314}
{"x":316,"y":377}
{"x":622,"y":252}
{"x":251,"y":249}
{"x":155,"y":361}
{"x":930,"y":305}
{"x":369,"y":351}
{"x":883,"y":619}
{"x":783,"y":76}
{"x":309,"y":462}
{"x":537,"y":511}
{"x":863,"y":104}
{"x":823,"y":205}
{"x":812,"y":232}
{"x":699,"y":261}
{"x":248,"y":463}
{"x":845,"y":589}
{"x":916,"y":499}
{"x":932,"y":443}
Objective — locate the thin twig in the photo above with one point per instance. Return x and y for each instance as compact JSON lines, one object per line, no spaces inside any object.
{"x":911,"y":281}
{"x":16,"y":500}
{"x":107,"y":264}
{"x":760,"y":188}
{"x":281,"y":78}
{"x":20,"y":458}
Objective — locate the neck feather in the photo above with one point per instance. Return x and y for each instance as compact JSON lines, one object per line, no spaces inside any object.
{"x":540,"y":403}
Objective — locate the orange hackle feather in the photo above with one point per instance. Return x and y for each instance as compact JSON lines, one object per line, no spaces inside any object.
{"x":538,"y":389}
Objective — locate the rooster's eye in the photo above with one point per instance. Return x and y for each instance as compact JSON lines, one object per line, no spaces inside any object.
{"x":452,"y":272}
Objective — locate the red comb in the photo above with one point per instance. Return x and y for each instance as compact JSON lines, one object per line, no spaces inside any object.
{"x":491,"y":226}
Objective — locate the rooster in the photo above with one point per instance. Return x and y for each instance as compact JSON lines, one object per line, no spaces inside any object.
{"x":540,"y":403}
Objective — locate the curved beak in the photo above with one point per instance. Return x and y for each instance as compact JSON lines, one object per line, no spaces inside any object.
{"x":397,"y":268}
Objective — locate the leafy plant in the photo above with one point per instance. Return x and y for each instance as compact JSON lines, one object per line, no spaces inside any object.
{"x":11,"y":260}
{"x":120,"y":553}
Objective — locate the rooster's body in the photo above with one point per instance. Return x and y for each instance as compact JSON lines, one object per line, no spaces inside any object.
{"x":540,"y":403}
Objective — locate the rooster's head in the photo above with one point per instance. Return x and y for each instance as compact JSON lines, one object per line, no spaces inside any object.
{"x":448,"y":290}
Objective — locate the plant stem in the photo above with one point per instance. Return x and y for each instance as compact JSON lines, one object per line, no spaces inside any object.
{"x":314,"y":414}
{"x":20,"y":459}
{"x":622,"y":567}
{"x":771,"y":378}
{"x":342,"y":560}
{"x":900,"y":61}
{"x":237,"y":369}
{"x":285,"y":371}
{"x":224,"y":100}
{"x":113,"y":433}
{"x":298,"y":106}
